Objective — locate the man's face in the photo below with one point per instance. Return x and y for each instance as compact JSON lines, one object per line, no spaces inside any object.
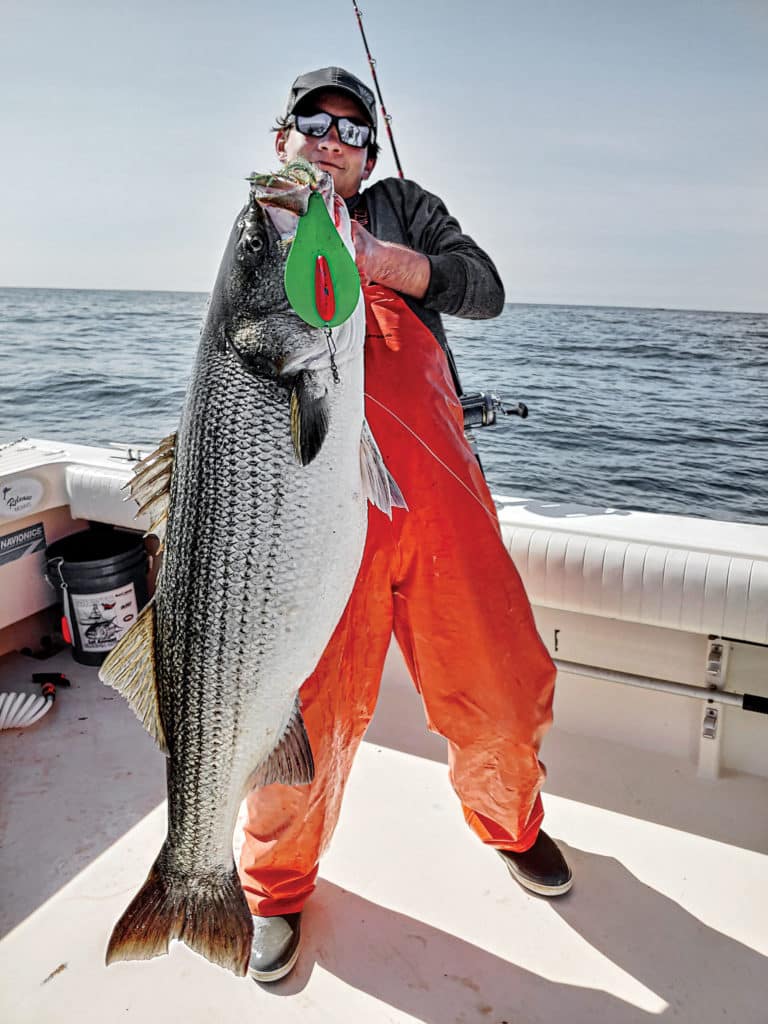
{"x":347,"y":165}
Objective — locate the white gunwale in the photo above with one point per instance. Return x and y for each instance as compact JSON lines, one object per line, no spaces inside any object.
{"x":413,"y":919}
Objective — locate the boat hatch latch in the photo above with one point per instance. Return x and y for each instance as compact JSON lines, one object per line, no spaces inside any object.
{"x":709,"y":729}
{"x":717,"y":659}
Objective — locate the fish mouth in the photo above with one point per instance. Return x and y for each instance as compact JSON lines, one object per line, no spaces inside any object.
{"x":290,"y":188}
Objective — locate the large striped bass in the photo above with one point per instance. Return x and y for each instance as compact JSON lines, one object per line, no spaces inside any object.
{"x":260,"y":503}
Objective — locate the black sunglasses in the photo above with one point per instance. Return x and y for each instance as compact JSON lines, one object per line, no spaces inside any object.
{"x":319,"y":124}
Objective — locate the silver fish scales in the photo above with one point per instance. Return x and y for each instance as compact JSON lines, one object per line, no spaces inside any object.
{"x":260,"y":502}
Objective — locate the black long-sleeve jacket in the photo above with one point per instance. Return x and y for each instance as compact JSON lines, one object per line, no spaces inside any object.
{"x":464,"y":281}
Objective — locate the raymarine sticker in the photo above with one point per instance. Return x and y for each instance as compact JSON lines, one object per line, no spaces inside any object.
{"x":19,"y":497}
{"x":103,"y":618}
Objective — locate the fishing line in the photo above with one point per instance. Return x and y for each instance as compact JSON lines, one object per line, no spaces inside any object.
{"x":434,"y":455}
{"x":384,"y":114}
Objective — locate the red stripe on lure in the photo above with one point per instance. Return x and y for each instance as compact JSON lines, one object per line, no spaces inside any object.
{"x":325,"y":300}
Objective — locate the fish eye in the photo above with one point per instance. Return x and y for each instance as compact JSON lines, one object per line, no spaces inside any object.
{"x":251,"y":235}
{"x":250,"y":242}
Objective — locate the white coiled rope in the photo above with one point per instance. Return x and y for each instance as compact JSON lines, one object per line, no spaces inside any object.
{"x":20,"y":710}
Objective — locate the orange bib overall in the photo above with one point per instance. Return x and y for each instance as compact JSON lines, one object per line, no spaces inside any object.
{"x":440,"y":577}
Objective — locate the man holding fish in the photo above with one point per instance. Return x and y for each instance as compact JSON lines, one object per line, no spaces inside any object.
{"x":437,"y":574}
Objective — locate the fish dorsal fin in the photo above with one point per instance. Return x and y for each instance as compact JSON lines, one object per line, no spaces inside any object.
{"x":150,"y":486}
{"x":130,"y":669}
{"x":379,"y":487}
{"x":291,"y":762}
{"x":309,"y":416}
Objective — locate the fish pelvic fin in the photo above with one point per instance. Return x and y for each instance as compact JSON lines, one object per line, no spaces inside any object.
{"x":379,"y":486}
{"x":291,"y":762}
{"x":129,"y":668}
{"x":150,"y":486}
{"x":310,"y":416}
{"x":209,"y":914}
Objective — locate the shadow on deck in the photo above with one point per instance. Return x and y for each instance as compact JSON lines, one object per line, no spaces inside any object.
{"x":413,"y":919}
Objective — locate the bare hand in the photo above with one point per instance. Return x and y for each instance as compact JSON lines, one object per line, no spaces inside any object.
{"x":387,"y":263}
{"x":365,"y":252}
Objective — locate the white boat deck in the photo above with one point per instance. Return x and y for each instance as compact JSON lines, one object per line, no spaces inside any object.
{"x":413,"y":919}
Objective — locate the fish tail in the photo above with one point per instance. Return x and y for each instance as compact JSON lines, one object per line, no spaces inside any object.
{"x":209,"y":914}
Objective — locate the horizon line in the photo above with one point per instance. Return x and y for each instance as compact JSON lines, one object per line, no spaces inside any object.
{"x":515,"y":302}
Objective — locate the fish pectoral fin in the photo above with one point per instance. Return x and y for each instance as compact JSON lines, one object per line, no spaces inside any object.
{"x":291,"y":762}
{"x":310,"y":416}
{"x":130,"y":669}
{"x":150,"y":486}
{"x":379,"y":486}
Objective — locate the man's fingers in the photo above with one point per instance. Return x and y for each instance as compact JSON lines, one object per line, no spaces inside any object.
{"x":360,"y":236}
{"x":364,"y":243}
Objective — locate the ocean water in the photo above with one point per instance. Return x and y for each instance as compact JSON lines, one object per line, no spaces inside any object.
{"x":650,"y":409}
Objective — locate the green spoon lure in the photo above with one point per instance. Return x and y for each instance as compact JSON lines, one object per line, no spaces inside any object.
{"x":321,"y":279}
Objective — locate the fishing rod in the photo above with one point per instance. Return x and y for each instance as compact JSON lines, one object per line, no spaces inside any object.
{"x":480,"y":408}
{"x":384,"y":114}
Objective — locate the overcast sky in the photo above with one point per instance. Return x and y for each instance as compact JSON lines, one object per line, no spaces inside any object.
{"x":603,"y":152}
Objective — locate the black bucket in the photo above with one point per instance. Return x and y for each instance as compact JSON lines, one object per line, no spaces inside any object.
{"x":102,"y":579}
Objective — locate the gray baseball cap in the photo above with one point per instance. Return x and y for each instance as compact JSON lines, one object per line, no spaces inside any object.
{"x":340,"y":81}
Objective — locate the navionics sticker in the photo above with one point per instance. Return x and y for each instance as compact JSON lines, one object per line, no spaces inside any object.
{"x":21,"y":543}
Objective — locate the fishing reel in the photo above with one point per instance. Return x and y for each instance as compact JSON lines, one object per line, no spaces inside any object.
{"x":482,"y":407}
